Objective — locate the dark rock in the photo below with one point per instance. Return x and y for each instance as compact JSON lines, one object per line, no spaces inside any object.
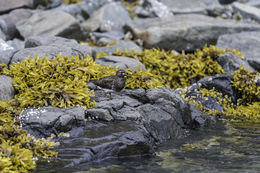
{"x":246,"y":42}
{"x":42,"y":122}
{"x":226,"y":1}
{"x":101,"y":140}
{"x":230,"y":62}
{"x":121,"y":62}
{"x":246,"y":11}
{"x":50,"y":47}
{"x":6,"y":88}
{"x":11,"y":19}
{"x":190,"y":6}
{"x":47,"y":3}
{"x":50,"y":23}
{"x":185,"y":32}
{"x":152,"y":8}
{"x":6,"y":6}
{"x":121,"y":45}
{"x":112,"y":16}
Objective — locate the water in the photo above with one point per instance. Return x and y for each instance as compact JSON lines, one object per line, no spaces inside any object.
{"x":227,"y":147}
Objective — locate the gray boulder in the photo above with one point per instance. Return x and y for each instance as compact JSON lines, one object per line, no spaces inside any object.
{"x":247,"y":42}
{"x":6,"y":88}
{"x":190,"y":6}
{"x":230,"y":62}
{"x":2,"y":35}
{"x":185,"y":32}
{"x":6,"y":6}
{"x":50,"y":47}
{"x":16,"y":44}
{"x":121,"y":62}
{"x":50,"y":23}
{"x":44,"y":121}
{"x":6,"y":56}
{"x":246,"y":11}
{"x":11,"y":19}
{"x":254,"y":3}
{"x":112,"y":16}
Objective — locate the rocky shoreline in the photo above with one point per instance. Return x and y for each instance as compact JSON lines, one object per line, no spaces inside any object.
{"x":135,"y":121}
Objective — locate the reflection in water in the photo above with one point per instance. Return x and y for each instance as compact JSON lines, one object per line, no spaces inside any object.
{"x":227,"y":147}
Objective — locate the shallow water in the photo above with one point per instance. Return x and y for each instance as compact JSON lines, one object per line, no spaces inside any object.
{"x":227,"y":147}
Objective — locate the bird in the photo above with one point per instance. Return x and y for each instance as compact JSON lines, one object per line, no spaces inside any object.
{"x":112,"y":83}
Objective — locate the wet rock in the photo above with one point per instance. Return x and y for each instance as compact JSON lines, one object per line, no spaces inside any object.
{"x":190,"y":6}
{"x":6,"y":88}
{"x":121,"y":45}
{"x":6,"y":6}
{"x":152,"y":8}
{"x":101,"y":140}
{"x":246,"y":42}
{"x":44,"y":121}
{"x":50,"y":47}
{"x":121,"y":62}
{"x":230,"y":62}
{"x":112,"y":16}
{"x":11,"y":19}
{"x":185,"y":32}
{"x":246,"y":11}
{"x":50,"y":23}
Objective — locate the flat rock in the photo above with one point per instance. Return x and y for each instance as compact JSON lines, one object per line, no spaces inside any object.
{"x":190,"y":6}
{"x":11,"y":19}
{"x":185,"y":32}
{"x":247,"y":42}
{"x":50,"y":47}
{"x":6,"y":6}
{"x":121,"y":62}
{"x":111,"y":16}
{"x":246,"y":11}
{"x":6,"y":88}
{"x":41,"y":122}
{"x":50,"y":23}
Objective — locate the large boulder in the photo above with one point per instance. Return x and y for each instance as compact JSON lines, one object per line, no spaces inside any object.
{"x":112,"y":16}
{"x":6,"y":88}
{"x":247,"y":42}
{"x":6,"y":6}
{"x":11,"y":19}
{"x":50,"y":23}
{"x":185,"y":32}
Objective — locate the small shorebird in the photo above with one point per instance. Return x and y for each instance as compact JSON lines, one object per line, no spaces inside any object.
{"x":112,"y":83}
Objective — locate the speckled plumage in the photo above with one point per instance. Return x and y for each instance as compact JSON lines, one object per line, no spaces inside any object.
{"x":115,"y":82}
